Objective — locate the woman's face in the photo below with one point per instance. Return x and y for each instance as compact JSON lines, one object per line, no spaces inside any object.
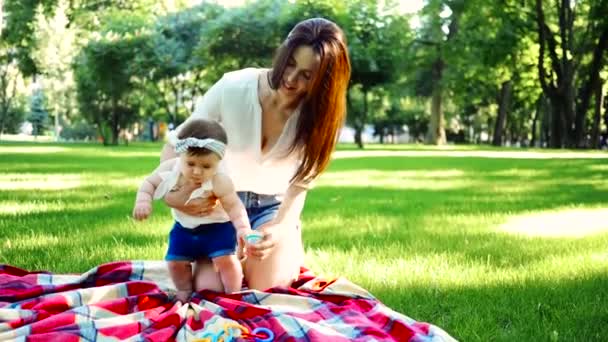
{"x":300,"y":70}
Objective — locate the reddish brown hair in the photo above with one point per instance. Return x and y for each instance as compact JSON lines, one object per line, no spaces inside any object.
{"x":324,"y":106}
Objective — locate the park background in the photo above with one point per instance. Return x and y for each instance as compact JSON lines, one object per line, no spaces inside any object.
{"x":491,"y":223}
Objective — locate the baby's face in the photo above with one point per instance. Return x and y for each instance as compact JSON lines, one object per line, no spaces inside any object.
{"x":200,"y":168}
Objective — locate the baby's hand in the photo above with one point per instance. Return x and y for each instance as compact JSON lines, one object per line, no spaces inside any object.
{"x":241,"y":238}
{"x":142,"y":210}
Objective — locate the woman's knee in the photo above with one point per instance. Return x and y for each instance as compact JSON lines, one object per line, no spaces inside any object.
{"x":226,"y":262}
{"x":206,"y":278}
{"x":271,"y":272}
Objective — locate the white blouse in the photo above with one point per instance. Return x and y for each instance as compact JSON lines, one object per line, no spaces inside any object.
{"x":169,"y":181}
{"x":234,"y":102}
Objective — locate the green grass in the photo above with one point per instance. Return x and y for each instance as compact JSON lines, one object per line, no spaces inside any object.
{"x":489,"y":244}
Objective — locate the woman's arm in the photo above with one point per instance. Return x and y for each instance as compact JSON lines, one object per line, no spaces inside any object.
{"x":168,"y":152}
{"x":207,"y":107}
{"x":287,"y":217}
{"x":292,"y":205}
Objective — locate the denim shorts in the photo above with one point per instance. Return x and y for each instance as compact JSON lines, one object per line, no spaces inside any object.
{"x":260,"y":208}
{"x":218,"y":239}
{"x":205,"y":241}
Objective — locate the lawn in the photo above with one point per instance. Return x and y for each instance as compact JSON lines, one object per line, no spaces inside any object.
{"x":489,"y":244}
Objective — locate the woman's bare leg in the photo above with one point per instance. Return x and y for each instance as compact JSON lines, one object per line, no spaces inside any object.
{"x":181,"y":274}
{"x":281,"y":267}
{"x":231,"y":272}
{"x":205,"y":276}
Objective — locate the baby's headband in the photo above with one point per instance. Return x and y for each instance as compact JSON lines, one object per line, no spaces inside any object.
{"x":211,"y":144}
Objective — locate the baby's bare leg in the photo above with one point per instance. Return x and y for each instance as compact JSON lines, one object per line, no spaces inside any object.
{"x":231,"y":272}
{"x":181,"y":274}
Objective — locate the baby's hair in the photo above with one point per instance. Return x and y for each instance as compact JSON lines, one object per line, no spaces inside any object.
{"x":202,"y":129}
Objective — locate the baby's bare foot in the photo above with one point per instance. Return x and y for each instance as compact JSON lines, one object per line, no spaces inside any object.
{"x":183,"y":296}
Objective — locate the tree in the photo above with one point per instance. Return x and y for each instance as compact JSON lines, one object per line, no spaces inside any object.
{"x":104,"y":72}
{"x":170,"y":67}
{"x":567,"y":59}
{"x":441,"y":23}
{"x":87,"y":14}
{"x":55,"y":49}
{"x":242,"y":37}
{"x":10,"y":78}
{"x":38,"y":115}
{"x":377,"y":43}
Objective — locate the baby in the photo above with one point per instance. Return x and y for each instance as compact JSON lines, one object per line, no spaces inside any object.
{"x":196,"y":171}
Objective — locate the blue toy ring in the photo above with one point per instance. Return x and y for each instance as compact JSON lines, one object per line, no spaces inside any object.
{"x":263,"y":330}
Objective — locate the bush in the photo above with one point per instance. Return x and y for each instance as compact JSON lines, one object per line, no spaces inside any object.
{"x":79,"y":131}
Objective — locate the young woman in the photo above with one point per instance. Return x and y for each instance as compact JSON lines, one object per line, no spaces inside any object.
{"x":282,"y":124}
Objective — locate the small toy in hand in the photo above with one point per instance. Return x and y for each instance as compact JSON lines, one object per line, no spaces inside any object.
{"x":253,"y":238}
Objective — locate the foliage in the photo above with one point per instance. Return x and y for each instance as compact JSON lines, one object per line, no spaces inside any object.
{"x":38,"y":115}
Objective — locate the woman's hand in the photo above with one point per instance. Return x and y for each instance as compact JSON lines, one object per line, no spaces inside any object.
{"x":199,"y":206}
{"x":271,"y":236}
{"x":195,"y":207}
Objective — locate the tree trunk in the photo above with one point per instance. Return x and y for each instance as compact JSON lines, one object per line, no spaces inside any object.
{"x":114,"y":122}
{"x":436,"y":132}
{"x":606,"y":114}
{"x":358,"y":136}
{"x":589,"y":87}
{"x":503,"y":110}
{"x":597,"y":115}
{"x":535,"y":122}
{"x":558,"y":128}
{"x":361,"y":125}
{"x":566,"y":65}
{"x":546,"y":123}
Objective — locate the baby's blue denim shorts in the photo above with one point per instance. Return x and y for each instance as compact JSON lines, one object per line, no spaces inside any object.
{"x":207,"y":240}
{"x":218,"y":239}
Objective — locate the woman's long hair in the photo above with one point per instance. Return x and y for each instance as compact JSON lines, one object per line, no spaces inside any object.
{"x":323,"y":109}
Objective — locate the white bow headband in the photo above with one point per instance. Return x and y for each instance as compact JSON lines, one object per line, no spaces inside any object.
{"x":211,"y":144}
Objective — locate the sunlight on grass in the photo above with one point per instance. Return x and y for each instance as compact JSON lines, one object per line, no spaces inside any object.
{"x":445,"y":179}
{"x":598,"y":167}
{"x":124,"y":154}
{"x":33,"y":149}
{"x":572,"y":223}
{"x":448,"y":270}
{"x":48,"y":181}
{"x":12,"y":208}
{"x":57,"y":181}
{"x":521,"y":173}
{"x":480,"y":154}
{"x":33,"y":240}
{"x":20,"y":208}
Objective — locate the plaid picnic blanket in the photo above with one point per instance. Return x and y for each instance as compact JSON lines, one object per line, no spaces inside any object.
{"x":131,"y":300}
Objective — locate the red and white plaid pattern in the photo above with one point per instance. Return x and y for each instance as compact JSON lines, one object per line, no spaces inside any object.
{"x":130,"y":301}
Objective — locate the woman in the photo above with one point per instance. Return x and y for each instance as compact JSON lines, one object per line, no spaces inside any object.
{"x":282,"y":125}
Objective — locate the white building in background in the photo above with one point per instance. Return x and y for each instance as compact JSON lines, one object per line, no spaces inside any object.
{"x":26,"y":128}
{"x":347,"y":135}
